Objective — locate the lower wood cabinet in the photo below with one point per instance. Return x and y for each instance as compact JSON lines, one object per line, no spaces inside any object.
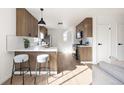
{"x":85,"y":53}
{"x":53,"y":62}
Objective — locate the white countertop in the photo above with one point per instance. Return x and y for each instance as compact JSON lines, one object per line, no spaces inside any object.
{"x":84,"y":46}
{"x":36,"y":49}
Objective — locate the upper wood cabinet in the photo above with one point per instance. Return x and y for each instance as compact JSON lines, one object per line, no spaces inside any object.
{"x":26,"y":24}
{"x":86,"y":27}
{"x":43,"y":30}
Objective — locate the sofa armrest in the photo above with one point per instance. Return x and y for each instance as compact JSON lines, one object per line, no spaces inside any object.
{"x":116,"y":71}
{"x":100,"y":77}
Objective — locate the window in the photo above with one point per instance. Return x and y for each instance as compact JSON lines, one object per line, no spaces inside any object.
{"x":41,"y":36}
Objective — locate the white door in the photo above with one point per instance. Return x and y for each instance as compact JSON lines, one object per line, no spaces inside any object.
{"x":103,"y":39}
{"x":120,"y":42}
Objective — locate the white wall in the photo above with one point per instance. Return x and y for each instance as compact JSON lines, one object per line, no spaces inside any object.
{"x":94,"y":40}
{"x":7,"y":27}
{"x":17,"y":42}
{"x":62,"y":39}
{"x":112,"y":21}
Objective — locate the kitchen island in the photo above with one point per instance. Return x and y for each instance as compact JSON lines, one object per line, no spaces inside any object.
{"x":37,"y":50}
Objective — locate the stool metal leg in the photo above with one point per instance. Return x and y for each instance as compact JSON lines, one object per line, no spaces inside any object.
{"x":22,"y":74}
{"x":23,"y":77}
{"x":35,"y":74}
{"x":29,"y":68}
{"x":47,"y":71}
{"x":39,"y":68}
{"x":20,"y":68}
{"x":12,"y":73}
{"x":49,"y":67}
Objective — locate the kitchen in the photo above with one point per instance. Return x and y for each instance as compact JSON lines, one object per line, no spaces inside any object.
{"x":42,"y":40}
{"x":63,"y":43}
{"x":33,"y":40}
{"x":69,"y":45}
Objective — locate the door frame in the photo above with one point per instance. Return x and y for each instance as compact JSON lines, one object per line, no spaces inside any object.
{"x":110,"y":31}
{"x":117,"y":41}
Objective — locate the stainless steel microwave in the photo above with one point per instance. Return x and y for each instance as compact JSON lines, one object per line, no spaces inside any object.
{"x":79,"y":35}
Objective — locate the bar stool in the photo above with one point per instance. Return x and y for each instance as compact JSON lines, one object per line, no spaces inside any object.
{"x":20,"y":59}
{"x":41,"y":59}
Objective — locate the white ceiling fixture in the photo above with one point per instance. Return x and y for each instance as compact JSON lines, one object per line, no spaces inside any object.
{"x":41,"y":22}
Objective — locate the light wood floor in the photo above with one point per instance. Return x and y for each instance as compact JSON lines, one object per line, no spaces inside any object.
{"x":71,"y":72}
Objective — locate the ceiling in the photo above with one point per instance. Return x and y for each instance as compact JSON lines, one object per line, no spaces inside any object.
{"x":71,"y":16}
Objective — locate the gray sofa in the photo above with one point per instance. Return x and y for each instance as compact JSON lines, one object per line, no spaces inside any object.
{"x":108,"y":73}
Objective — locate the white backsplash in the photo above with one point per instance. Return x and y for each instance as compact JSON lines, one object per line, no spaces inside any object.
{"x":88,"y":39}
{"x":17,"y":42}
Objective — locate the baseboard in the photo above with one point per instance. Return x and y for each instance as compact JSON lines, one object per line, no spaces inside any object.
{"x":86,"y":62}
{"x":5,"y":80}
{"x":34,"y":72}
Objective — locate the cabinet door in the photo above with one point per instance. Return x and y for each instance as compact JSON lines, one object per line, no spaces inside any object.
{"x":20,"y":22}
{"x":26,"y":24}
{"x":77,"y":28}
{"x":85,"y":53}
{"x":32,"y":26}
{"x":89,"y":53}
{"x":88,"y":27}
{"x":32,"y":29}
{"x":35,"y":27}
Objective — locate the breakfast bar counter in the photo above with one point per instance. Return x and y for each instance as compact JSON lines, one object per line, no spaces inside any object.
{"x":33,"y":52}
{"x":35,"y":49}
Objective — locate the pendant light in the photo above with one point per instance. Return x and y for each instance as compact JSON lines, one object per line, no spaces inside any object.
{"x":41,"y":22}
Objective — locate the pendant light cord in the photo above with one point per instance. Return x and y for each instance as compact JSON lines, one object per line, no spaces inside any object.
{"x":41,"y":12}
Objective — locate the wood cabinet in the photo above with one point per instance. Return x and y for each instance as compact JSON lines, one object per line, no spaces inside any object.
{"x":26,"y":24}
{"x":43,"y":30}
{"x":86,"y":27}
{"x":32,"y":59}
{"x":85,"y":53}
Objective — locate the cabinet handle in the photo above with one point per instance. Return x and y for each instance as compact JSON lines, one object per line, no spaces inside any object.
{"x":120,"y":44}
{"x":99,"y":43}
{"x":29,"y":34}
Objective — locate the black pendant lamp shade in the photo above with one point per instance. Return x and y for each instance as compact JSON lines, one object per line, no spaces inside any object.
{"x":42,"y":22}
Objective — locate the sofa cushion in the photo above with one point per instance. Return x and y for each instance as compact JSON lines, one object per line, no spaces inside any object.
{"x":100,"y":77}
{"x":113,"y":58}
{"x":113,"y":70}
{"x":118,"y":63}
